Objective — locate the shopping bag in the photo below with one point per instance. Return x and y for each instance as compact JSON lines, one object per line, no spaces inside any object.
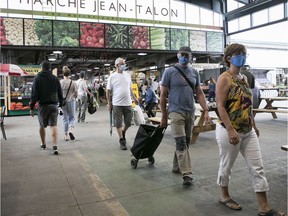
{"x":138,"y":115}
{"x":147,"y":140}
{"x":92,"y":106}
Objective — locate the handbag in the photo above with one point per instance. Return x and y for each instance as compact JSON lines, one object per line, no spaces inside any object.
{"x":185,"y":77}
{"x":64,"y":102}
{"x":92,"y":106}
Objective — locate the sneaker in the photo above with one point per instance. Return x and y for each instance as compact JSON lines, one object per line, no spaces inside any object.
{"x":55,"y":150}
{"x":43,"y":146}
{"x":187,"y":181}
{"x":122,"y":144}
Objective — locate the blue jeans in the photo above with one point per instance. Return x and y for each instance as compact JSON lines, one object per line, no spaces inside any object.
{"x":68,"y":118}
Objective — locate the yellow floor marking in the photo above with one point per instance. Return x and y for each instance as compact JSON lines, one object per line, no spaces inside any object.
{"x":102,"y":189}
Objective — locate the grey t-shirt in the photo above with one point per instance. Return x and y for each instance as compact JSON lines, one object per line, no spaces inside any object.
{"x":181,"y":95}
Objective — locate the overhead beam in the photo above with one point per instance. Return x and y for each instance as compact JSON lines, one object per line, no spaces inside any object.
{"x":252,"y":8}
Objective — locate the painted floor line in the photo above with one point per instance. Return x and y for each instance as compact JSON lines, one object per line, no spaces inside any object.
{"x":104,"y":192}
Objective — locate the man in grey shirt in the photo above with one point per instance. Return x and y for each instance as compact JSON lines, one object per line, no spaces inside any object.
{"x":181,"y":109}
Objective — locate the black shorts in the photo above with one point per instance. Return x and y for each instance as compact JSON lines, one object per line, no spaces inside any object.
{"x":47,"y":115}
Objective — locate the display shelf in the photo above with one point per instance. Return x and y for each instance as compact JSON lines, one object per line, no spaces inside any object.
{"x":18,"y":112}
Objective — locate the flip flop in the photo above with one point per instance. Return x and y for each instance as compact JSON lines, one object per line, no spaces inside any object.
{"x":71,"y":136}
{"x":230,"y":203}
{"x":272,"y":212}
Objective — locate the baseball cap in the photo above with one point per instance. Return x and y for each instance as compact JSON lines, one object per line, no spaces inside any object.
{"x":185,"y":49}
{"x":82,"y":74}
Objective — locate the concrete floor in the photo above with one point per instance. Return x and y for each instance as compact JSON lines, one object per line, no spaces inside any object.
{"x":92,"y":177}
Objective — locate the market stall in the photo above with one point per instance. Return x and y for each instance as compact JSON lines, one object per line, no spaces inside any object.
{"x":15,"y":89}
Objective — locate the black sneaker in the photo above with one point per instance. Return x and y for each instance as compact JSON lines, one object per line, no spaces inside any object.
{"x":43,"y":146}
{"x":122,"y":144}
{"x":55,"y":150}
{"x":187,"y":181}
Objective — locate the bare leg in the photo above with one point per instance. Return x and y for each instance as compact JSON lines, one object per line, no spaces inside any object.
{"x":263,"y":203}
{"x":225,"y":196}
{"x":54,"y":135}
{"x":119,"y":131}
{"x":42,"y":135}
{"x":224,"y":193}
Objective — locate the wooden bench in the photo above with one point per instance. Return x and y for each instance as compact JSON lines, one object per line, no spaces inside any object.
{"x":157,"y":120}
{"x":270,"y":111}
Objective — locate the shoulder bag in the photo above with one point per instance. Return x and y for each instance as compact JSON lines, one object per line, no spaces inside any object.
{"x":185,"y":77}
{"x":64,"y":102}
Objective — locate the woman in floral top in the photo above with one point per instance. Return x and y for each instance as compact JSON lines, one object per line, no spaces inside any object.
{"x":237,"y":132}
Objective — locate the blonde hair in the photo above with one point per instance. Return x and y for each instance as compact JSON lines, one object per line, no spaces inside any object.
{"x":66,"y":71}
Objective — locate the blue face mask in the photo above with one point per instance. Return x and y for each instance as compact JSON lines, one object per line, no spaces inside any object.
{"x":183,"y":60}
{"x":123,"y":67}
{"x":238,"y":60}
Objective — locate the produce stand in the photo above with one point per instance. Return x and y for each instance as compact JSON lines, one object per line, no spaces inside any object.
{"x":15,"y":90}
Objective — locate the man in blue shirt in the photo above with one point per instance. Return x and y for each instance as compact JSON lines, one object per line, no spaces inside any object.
{"x":181,"y":109}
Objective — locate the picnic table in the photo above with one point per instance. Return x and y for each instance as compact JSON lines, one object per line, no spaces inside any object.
{"x":270,"y":108}
{"x":199,"y":125}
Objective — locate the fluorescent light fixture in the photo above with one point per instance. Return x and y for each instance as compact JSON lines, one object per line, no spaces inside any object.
{"x":52,"y":59}
{"x":96,"y":68}
{"x":141,"y":54}
{"x":57,"y":52}
{"x":107,"y":64}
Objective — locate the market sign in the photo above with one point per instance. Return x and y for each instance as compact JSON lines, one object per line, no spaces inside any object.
{"x":149,"y":12}
{"x":31,"y":70}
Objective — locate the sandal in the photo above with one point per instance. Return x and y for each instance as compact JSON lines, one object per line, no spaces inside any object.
{"x":272,"y":212}
{"x":230,"y":203}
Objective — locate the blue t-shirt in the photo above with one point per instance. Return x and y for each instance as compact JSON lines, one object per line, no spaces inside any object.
{"x":181,"y":95}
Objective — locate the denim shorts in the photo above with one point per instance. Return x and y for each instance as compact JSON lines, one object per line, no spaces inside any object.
{"x":47,"y":115}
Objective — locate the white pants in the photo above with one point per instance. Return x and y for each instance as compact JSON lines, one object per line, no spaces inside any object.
{"x":250,"y":150}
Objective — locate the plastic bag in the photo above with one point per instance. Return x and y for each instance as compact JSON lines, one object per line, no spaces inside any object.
{"x":138,"y":116}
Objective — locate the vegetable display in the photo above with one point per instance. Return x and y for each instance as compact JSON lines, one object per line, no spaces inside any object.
{"x":179,"y":38}
{"x":3,"y":39}
{"x":91,"y":35}
{"x":116,"y":36}
{"x":31,"y":37}
{"x":50,"y":33}
{"x":65,"y":33}
{"x":139,"y":37}
{"x":198,"y":40}
{"x":158,"y":38}
{"x":214,"y":42}
{"x":43,"y":29}
{"x":11,"y":31}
